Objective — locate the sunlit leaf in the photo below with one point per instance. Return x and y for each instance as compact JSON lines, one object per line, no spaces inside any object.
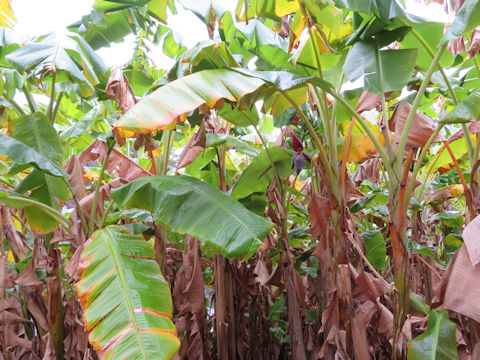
{"x":126,"y":300}
{"x":258,"y":175}
{"x":175,"y":201}
{"x":438,"y":342}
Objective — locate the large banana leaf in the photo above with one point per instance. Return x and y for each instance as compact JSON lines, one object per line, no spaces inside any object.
{"x":126,"y":301}
{"x":438,"y":342}
{"x":159,"y":109}
{"x":36,"y":131}
{"x":468,"y":109}
{"x":398,"y":64}
{"x":72,"y":58}
{"x":181,"y":96}
{"x":258,"y":175}
{"x":467,"y":19}
{"x":22,"y":154}
{"x":189,"y":206}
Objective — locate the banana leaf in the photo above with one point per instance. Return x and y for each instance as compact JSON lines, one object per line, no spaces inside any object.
{"x":189,"y":206}
{"x":126,"y":301}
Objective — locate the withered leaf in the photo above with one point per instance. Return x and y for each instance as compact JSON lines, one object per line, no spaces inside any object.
{"x":420,"y":130}
{"x":119,"y":88}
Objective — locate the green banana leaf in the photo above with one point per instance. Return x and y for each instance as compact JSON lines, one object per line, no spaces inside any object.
{"x":189,"y":206}
{"x":467,"y":19}
{"x":159,"y":109}
{"x":438,"y":342}
{"x":36,"y":131}
{"x":164,"y":105}
{"x":22,"y":154}
{"x":398,"y":64}
{"x":468,"y":109}
{"x":214,"y":140}
{"x":126,"y":301}
{"x":376,"y":250}
{"x":71,"y":58}
{"x":257,"y":176}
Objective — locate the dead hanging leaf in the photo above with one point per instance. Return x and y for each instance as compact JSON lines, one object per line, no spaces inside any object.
{"x":40,"y":258}
{"x":119,"y":88}
{"x":368,"y":287}
{"x":27,"y":277}
{"x":473,"y":128}
{"x":420,"y":130}
{"x":457,"y":46}
{"x":48,"y":349}
{"x":194,"y":147}
{"x":318,"y":213}
{"x":361,"y":147}
{"x":189,"y":300}
{"x":470,"y":238}
{"x":369,"y":170}
{"x":6,"y":280}
{"x":359,"y":331}
{"x":37,"y":308}
{"x":445,"y":193}
{"x":76,"y":337}
{"x":463,"y":288}
{"x":13,"y":237}
{"x":12,"y":339}
{"x":287,"y":131}
{"x":76,"y":171}
{"x":118,"y":164}
{"x":104,"y":192}
{"x":474,"y":42}
{"x":369,"y":101}
{"x":10,"y":318}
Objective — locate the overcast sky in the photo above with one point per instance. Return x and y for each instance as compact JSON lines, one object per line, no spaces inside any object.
{"x":36,"y":17}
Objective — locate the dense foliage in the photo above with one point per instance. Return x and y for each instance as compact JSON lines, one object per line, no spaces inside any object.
{"x":304,"y":184}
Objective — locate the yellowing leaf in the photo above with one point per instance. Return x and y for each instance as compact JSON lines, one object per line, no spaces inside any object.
{"x":7,"y":18}
{"x":10,"y":256}
{"x":361,"y":147}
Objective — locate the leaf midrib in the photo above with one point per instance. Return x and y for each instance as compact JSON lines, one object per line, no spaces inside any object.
{"x":193,"y":187}
{"x":124,"y":288}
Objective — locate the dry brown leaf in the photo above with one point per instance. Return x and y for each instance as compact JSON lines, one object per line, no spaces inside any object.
{"x":6,"y":280}
{"x":27,"y":277}
{"x":359,"y":331}
{"x":12,"y":339}
{"x":40,"y":258}
{"x":473,"y":128}
{"x":457,"y":46}
{"x":463,"y":288}
{"x":318,"y":213}
{"x":474,"y":42}
{"x":189,"y":301}
{"x":9,"y":318}
{"x":420,"y":130}
{"x":37,"y":308}
{"x":471,"y":240}
{"x":119,"y":88}
{"x":76,"y":337}
{"x":369,"y":101}
{"x":104,"y":192}
{"x":366,"y":284}
{"x":48,"y":349}
{"x":369,"y":170}
{"x":287,"y":131}
{"x":118,"y":164}
{"x":13,"y":237}
{"x":295,"y":328}
{"x":76,"y":171}
{"x":194,"y":147}
{"x":446,"y":192}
